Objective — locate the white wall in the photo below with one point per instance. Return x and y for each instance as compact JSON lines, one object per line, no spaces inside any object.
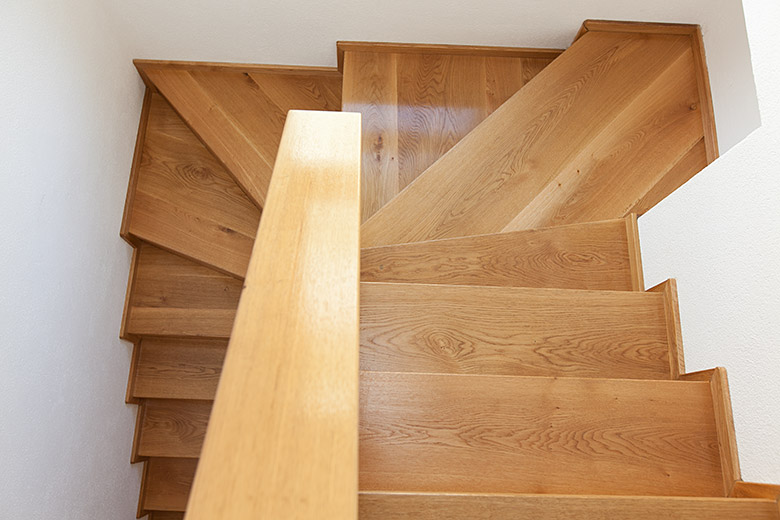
{"x":719,"y":235}
{"x":69,"y":108}
{"x":305,"y":32}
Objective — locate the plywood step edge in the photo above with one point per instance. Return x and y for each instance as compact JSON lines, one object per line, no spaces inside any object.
{"x":142,"y":65}
{"x":724,"y":423}
{"x":437,"y":48}
{"x":430,"y":506}
{"x":697,"y":46}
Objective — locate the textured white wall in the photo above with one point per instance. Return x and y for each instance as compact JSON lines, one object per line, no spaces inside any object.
{"x":719,"y":235}
{"x":305,"y":32}
{"x":70,"y":103}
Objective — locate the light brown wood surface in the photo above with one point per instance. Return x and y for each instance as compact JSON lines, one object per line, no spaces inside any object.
{"x":167,"y":483}
{"x":239,"y":114}
{"x":282,"y":439}
{"x":673,"y":330}
{"x":392,"y":506}
{"x":171,"y":368}
{"x":173,"y":428}
{"x":419,"y":101}
{"x":755,"y":490}
{"x":137,"y":154}
{"x":727,"y":437}
{"x":586,"y":140}
{"x":455,"y":433}
{"x":512,"y":331}
{"x":173,"y":296}
{"x":185,"y":201}
{"x":595,"y":255}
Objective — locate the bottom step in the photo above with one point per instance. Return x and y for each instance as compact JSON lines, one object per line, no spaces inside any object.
{"x":392,"y":506}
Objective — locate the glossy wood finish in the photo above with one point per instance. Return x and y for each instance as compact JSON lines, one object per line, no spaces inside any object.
{"x":595,"y":256}
{"x":282,"y":440}
{"x":724,"y":418}
{"x":172,"y":368}
{"x":417,"y":101}
{"x":399,"y":506}
{"x":586,"y":140}
{"x":184,"y":200}
{"x":239,"y":113}
{"x":454,"y":433}
{"x":513,"y":331}
{"x":173,"y":296}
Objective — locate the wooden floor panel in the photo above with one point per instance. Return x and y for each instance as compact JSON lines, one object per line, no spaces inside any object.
{"x":390,"y":506}
{"x":587,"y":139}
{"x":185,"y":201}
{"x":446,"y":433}
{"x":513,"y":331}
{"x":591,"y":256}
{"x":417,"y":104}
{"x":173,"y":296}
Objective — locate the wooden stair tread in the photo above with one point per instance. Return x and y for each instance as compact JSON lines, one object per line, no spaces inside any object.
{"x":167,"y":483}
{"x":594,"y":255}
{"x":587,"y":139}
{"x":513,"y":331}
{"x":454,"y":433}
{"x":427,"y":506}
{"x":239,"y":114}
{"x":508,"y":434}
{"x":173,"y":296}
{"x":417,"y":101}
{"x":185,"y":201}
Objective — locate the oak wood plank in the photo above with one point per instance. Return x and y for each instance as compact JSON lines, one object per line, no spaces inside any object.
{"x":417,"y":105}
{"x":513,"y":331}
{"x":168,"y":483}
{"x":595,"y":256}
{"x":580,"y":109}
{"x":175,"y":296}
{"x":674,"y":332}
{"x":448,"y":433}
{"x":282,"y":438}
{"x":186,"y":202}
{"x":173,"y":428}
{"x":171,"y":368}
{"x":138,"y":150}
{"x":424,"y":506}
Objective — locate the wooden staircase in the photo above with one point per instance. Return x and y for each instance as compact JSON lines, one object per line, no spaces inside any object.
{"x":512,"y":363}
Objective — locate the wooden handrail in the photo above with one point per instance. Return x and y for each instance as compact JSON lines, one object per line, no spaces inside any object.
{"x":282,"y":438}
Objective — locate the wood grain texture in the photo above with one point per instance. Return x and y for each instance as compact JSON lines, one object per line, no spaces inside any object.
{"x":512,"y":331}
{"x":170,"y":368}
{"x":455,"y":433}
{"x":755,"y":490}
{"x":585,"y":140}
{"x":595,"y":256}
{"x":727,"y":438}
{"x":173,"y":428}
{"x":139,"y":142}
{"x":239,"y":114}
{"x":401,"y":506}
{"x":418,"y":102}
{"x":168,"y":483}
{"x":282,"y":440}
{"x":185,"y":201}
{"x":342,"y":47}
{"x":673,"y":330}
{"x":634,"y":253}
{"x":173,"y":296}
